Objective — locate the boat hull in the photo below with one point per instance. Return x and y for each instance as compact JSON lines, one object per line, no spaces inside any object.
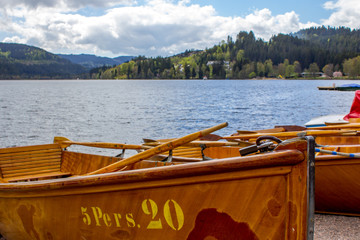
{"x":256,"y":197}
{"x":337,"y":187}
{"x":347,"y":88}
{"x":337,"y":177}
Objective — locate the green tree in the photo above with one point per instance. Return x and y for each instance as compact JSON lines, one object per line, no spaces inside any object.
{"x":149,"y":74}
{"x":281,"y":69}
{"x":269,"y":71}
{"x":201,"y":73}
{"x":352,"y":67}
{"x":193,"y":73}
{"x":313,"y":69}
{"x":219,"y":54}
{"x":297,"y":68}
{"x":187,"y":71}
{"x":252,"y":75}
{"x":328,"y":69}
{"x":260,"y":67}
{"x":240,"y":55}
{"x":290,"y":71}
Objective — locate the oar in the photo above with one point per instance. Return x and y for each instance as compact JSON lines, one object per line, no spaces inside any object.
{"x":64,"y":142}
{"x":294,"y":134}
{"x":351,"y":155}
{"x":245,"y":132}
{"x":156,"y":150}
{"x":202,"y":143}
{"x":272,"y":130}
{"x":337,"y":126}
{"x":217,"y":144}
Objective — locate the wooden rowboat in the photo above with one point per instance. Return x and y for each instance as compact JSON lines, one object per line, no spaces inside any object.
{"x":337,"y":176}
{"x":337,"y":180}
{"x":51,"y":193}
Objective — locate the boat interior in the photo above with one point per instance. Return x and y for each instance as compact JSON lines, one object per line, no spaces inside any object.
{"x":50,"y":161}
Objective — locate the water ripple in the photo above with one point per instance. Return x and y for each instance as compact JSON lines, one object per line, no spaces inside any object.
{"x":33,"y":112}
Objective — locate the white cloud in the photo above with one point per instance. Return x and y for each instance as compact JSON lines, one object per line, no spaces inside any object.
{"x":347,"y":13}
{"x":265,"y":25}
{"x":62,"y":5}
{"x":160,"y":27}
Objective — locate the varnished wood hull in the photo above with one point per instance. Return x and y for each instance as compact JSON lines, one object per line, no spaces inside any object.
{"x":337,"y":185}
{"x":256,"y":197}
{"x":337,"y":177}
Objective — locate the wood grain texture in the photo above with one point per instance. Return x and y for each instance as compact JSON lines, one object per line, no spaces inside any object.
{"x":256,"y":197}
{"x":337,"y":188}
{"x":31,"y":163}
{"x":80,"y":163}
{"x":337,"y":180}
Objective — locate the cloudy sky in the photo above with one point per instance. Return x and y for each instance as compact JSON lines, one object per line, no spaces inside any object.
{"x":160,"y":27}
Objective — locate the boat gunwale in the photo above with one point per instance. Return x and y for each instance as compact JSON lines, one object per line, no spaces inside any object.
{"x":216,"y":166}
{"x":156,"y":183}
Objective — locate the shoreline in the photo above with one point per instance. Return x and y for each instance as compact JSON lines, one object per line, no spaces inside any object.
{"x":157,"y":79}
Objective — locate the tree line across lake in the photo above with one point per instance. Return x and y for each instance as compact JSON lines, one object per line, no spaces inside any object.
{"x":308,"y":53}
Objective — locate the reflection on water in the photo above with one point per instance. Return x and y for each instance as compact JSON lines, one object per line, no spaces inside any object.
{"x":33,"y":112}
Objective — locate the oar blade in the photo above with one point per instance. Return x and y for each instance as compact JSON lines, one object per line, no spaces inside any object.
{"x":62,"y":141}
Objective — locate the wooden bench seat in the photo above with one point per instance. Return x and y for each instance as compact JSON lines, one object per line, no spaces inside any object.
{"x":191,"y":152}
{"x":34,"y":177}
{"x":31,"y":163}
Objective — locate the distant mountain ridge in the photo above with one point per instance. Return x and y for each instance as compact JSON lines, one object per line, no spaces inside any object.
{"x":20,"y":61}
{"x":90,"y":61}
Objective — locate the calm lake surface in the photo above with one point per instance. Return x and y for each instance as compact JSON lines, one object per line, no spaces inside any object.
{"x":33,"y":112}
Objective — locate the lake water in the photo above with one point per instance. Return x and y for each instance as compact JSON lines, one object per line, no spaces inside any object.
{"x":33,"y":112}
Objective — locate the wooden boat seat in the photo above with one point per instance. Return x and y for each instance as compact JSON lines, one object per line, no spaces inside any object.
{"x":31,"y":163}
{"x":42,"y":176}
{"x":190,"y":152}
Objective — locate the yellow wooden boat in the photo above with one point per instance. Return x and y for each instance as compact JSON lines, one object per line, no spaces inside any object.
{"x":47,"y":192}
{"x":337,"y":180}
{"x":337,"y":184}
{"x":338,"y":189}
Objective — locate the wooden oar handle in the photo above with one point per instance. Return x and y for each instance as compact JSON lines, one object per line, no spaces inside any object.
{"x":293,"y":134}
{"x":156,"y":150}
{"x":213,"y":129}
{"x":65,"y":142}
{"x":337,"y":126}
{"x":203,"y":143}
{"x":106,"y":145}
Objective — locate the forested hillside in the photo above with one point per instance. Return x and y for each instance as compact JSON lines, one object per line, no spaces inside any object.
{"x":18,"y":61}
{"x":311,"y":50}
{"x":307,"y":53}
{"x":336,"y":40}
{"x":91,"y":61}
